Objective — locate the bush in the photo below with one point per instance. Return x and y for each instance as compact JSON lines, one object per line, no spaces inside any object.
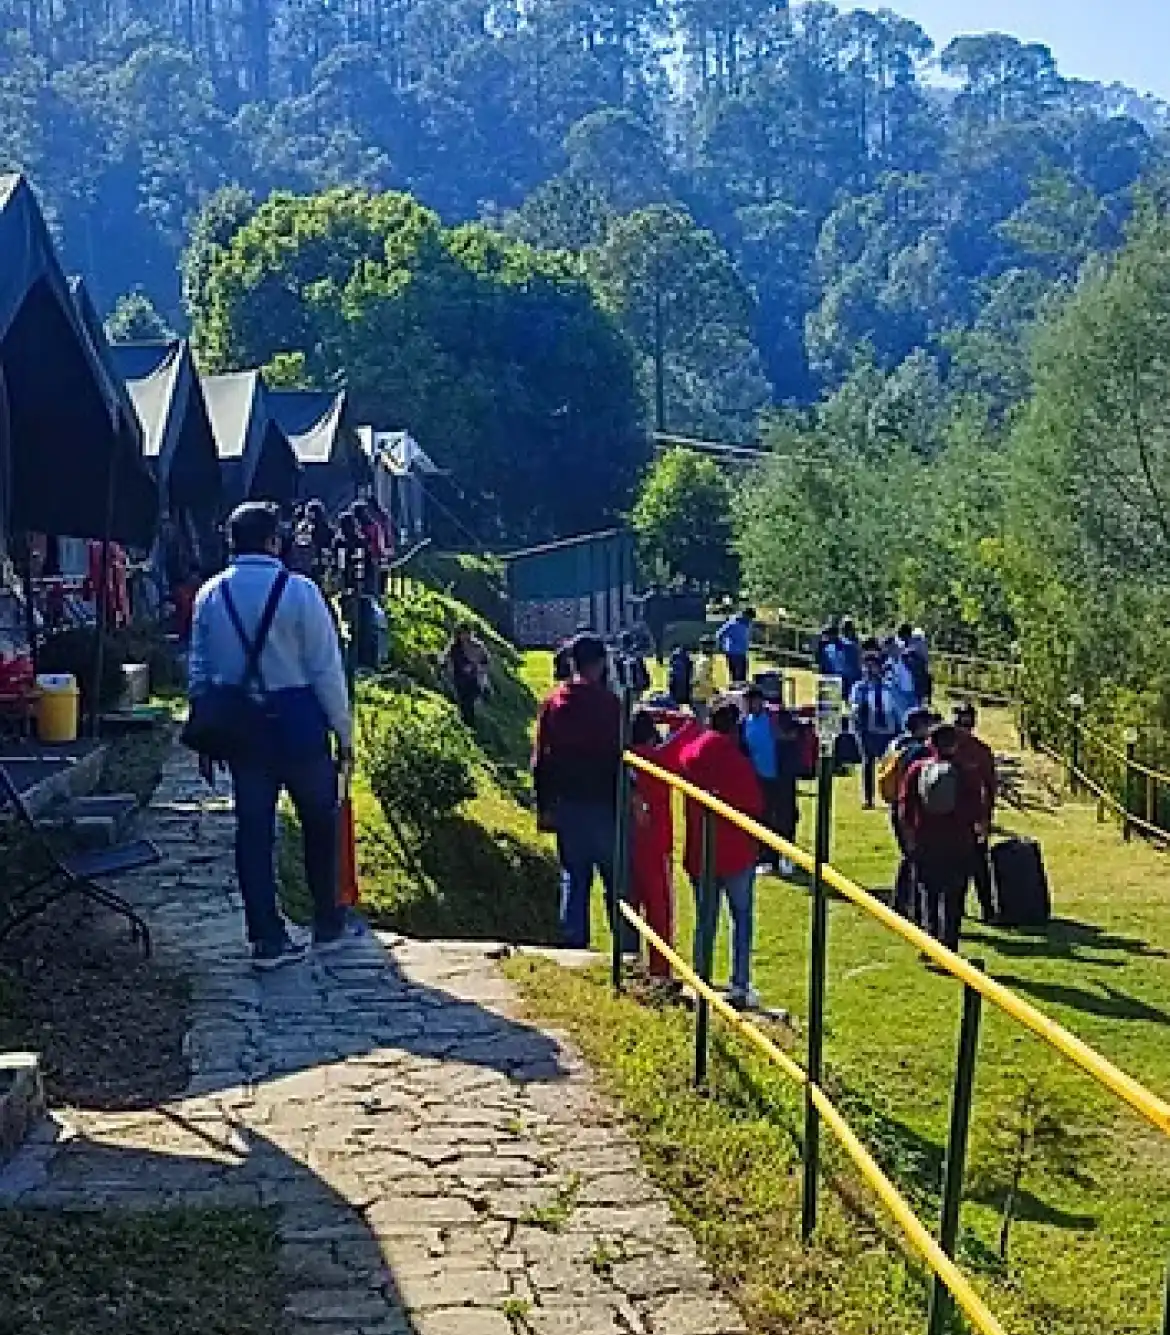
{"x":476,"y":581}
{"x":73,"y":651}
{"x":420,"y":762}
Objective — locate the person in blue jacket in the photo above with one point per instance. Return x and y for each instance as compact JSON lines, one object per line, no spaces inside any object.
{"x":734,"y":640}
{"x":849,"y":656}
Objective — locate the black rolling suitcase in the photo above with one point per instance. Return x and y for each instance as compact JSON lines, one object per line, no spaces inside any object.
{"x":1021,"y":884}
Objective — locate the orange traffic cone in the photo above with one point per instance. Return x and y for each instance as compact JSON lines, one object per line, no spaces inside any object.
{"x":348,"y":889}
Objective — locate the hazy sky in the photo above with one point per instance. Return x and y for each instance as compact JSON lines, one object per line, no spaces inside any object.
{"x":1126,"y":40}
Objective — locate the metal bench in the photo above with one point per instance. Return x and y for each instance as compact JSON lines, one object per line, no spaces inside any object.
{"x":60,"y":876}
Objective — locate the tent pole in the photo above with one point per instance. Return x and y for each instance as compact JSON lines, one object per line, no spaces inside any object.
{"x":24,"y":557}
{"x":102,"y":604}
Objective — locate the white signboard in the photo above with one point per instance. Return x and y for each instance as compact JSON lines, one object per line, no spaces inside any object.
{"x":830,"y":710}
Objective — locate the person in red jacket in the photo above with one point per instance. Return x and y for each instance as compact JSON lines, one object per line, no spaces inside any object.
{"x":576,"y":762}
{"x":652,"y":830}
{"x":941,"y":809}
{"x":715,"y":762}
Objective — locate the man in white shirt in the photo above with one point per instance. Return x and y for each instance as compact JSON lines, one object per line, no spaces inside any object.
{"x":301,"y":681}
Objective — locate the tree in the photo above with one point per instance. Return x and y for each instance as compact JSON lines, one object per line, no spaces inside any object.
{"x":678,"y":296}
{"x":683,"y":522}
{"x":220,"y":218}
{"x":1098,"y":427}
{"x":565,"y":213}
{"x":135,"y":320}
{"x":496,"y":356}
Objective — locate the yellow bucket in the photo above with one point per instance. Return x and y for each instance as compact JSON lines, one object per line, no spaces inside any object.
{"x":58,"y":704}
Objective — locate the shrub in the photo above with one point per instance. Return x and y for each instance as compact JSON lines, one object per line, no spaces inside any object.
{"x":420,"y":762}
{"x":476,"y":581}
{"x":73,"y":651}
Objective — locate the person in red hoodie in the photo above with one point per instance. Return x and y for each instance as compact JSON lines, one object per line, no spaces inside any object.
{"x":652,"y":829}
{"x":575,"y":767}
{"x":715,"y":762}
{"x":941,"y":808}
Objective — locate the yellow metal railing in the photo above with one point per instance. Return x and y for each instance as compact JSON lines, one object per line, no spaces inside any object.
{"x":1148,"y":1105}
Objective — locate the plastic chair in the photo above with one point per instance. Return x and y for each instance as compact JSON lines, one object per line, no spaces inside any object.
{"x":77,"y":874}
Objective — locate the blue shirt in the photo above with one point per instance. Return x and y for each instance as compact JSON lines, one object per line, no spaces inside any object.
{"x":735,"y":636}
{"x":301,"y":651}
{"x":760,"y":740}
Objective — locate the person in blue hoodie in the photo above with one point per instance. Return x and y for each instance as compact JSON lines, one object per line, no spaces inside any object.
{"x":735,"y":641}
{"x":849,"y":656}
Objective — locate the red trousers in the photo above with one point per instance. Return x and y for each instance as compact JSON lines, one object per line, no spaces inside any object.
{"x":652,"y":893}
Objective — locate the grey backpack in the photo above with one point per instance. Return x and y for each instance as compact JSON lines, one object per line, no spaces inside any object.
{"x":938,"y":787}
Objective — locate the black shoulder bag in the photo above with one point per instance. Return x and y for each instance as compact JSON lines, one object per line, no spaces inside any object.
{"x":229,"y":723}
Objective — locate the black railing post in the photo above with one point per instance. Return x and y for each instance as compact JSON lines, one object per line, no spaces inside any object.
{"x":816,"y":992}
{"x":1076,"y":704}
{"x":1131,"y":737}
{"x":706,"y":922}
{"x":621,"y":856}
{"x":956,"y":1160}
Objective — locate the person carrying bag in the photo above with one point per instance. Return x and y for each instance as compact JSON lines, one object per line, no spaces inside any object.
{"x":269,"y":705}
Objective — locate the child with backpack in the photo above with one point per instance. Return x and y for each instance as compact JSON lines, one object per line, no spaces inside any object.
{"x":912,"y":746}
{"x":940,"y":809}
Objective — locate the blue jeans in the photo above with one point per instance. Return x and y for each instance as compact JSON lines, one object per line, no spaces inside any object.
{"x":740,"y":890}
{"x":586,"y":844}
{"x":311,"y":782}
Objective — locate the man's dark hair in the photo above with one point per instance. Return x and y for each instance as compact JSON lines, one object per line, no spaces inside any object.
{"x":252,"y":528}
{"x":643,"y":729}
{"x":919,"y":718}
{"x":587,"y":651}
{"x":725,"y":717}
{"x":966,"y":714}
{"x":905,"y":630}
{"x":944,"y":737}
{"x":748,"y":614}
{"x":754,"y":692}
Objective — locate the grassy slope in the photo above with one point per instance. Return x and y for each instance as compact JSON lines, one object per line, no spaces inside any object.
{"x":489,"y":874}
{"x":1089,"y":1252}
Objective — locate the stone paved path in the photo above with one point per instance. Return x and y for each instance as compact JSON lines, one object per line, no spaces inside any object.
{"x":440,"y":1167}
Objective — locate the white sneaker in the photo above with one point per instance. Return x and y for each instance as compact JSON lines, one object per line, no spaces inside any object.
{"x":787,"y":867}
{"x":742,"y":1000}
{"x":765,"y":869}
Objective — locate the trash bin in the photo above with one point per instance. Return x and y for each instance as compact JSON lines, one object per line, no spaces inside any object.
{"x":58,"y":703}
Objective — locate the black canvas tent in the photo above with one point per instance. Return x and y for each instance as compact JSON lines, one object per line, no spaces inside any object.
{"x":336,"y":471}
{"x":178,"y":439}
{"x":70,"y":444}
{"x":257,"y":461}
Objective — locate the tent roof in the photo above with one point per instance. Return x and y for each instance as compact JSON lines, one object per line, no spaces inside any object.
{"x":152,"y":383}
{"x":136,"y":360}
{"x":249,"y":441}
{"x":66,"y":423}
{"x":178,"y":435}
{"x":312,"y":419}
{"x":397,"y":451}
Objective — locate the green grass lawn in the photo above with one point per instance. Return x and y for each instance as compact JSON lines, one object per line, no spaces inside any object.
{"x":160,"y":1273}
{"x":1089,"y":1249}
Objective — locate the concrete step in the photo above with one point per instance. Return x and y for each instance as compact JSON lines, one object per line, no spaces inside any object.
{"x":94,"y":822}
{"x":22,"y":1099}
